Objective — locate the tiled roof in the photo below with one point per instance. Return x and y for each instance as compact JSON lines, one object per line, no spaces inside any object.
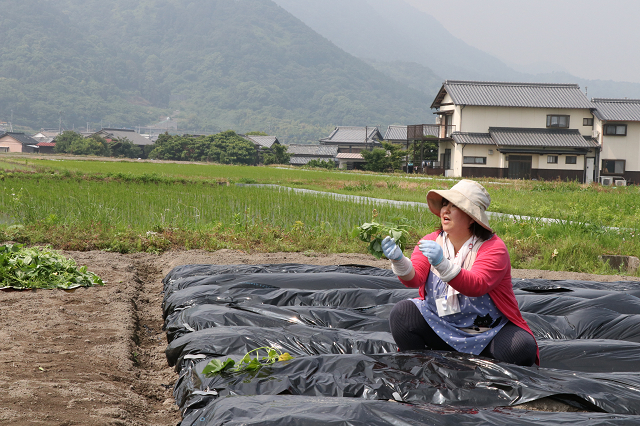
{"x":312,"y":150}
{"x":472,"y":138}
{"x":20,"y":137}
{"x":132,"y":135}
{"x":350,"y":156}
{"x":559,"y":138}
{"x":46,"y":144}
{"x":353,"y":135}
{"x":41,"y":139}
{"x":305,"y":160}
{"x":265,"y":141}
{"x":617,"y":109}
{"x":524,"y":95}
{"x":399,"y":133}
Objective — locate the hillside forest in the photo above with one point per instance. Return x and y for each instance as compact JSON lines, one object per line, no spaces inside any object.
{"x":246,"y":65}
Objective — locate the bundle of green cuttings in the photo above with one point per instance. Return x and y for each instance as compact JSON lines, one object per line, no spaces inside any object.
{"x":247,"y":363}
{"x":374,"y":232}
{"x":41,"y":267}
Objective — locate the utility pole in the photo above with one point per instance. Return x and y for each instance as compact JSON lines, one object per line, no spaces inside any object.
{"x":366,"y":139}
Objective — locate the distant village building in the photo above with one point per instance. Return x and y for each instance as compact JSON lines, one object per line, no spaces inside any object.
{"x":121,"y":134}
{"x":262,"y":143}
{"x":616,"y":127}
{"x":17,"y":142}
{"x":301,"y":154}
{"x":46,"y":135}
{"x":46,"y":140}
{"x":516,"y":130}
{"x":350,"y":140}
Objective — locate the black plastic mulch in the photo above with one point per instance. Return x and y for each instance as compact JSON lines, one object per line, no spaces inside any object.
{"x":346,"y":369}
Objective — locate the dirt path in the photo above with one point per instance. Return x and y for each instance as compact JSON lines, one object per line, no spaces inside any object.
{"x":95,"y":356}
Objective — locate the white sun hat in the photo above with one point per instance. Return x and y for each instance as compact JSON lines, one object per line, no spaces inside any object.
{"x":468,"y":195}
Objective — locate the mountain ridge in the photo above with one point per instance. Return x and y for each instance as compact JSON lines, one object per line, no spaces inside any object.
{"x":243,"y":65}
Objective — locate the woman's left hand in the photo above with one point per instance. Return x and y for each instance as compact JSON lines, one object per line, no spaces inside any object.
{"x":432,"y":251}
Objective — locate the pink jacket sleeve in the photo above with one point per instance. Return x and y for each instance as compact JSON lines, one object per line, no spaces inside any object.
{"x":489,"y":269}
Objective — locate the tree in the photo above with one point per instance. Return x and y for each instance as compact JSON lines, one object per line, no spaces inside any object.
{"x":65,"y":140}
{"x":423,"y":150}
{"x":386,"y":159}
{"x":229,"y":148}
{"x":70,"y":142}
{"x":277,"y":154}
{"x":124,"y":148}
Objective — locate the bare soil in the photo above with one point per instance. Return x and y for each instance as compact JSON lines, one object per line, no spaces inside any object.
{"x":95,"y":356}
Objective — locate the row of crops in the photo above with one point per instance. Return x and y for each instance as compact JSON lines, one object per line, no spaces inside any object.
{"x":145,"y":206}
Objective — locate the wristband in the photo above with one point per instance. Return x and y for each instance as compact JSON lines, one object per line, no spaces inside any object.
{"x":447,"y":270}
{"x":402,"y":266}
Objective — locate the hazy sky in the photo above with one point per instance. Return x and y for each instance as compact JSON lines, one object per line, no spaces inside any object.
{"x":587,"y":38}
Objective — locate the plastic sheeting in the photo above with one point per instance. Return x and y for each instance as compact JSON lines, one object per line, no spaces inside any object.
{"x":185,"y":271}
{"x":334,"y":321}
{"x":265,"y":410}
{"x":416,"y":378}
{"x":200,"y":317}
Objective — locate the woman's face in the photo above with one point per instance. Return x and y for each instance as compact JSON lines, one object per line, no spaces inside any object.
{"x":454,"y":221}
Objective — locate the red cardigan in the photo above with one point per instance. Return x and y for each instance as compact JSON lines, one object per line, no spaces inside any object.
{"x":490,"y":273}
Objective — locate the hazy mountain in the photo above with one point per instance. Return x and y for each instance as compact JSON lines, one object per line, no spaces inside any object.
{"x":215,"y":65}
{"x":392,"y":31}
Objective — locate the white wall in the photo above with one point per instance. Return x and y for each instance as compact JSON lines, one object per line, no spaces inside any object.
{"x":493,"y":160}
{"x":622,"y":147}
{"x":479,"y":119}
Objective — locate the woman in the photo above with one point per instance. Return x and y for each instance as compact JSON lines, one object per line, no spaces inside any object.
{"x":463,"y":271}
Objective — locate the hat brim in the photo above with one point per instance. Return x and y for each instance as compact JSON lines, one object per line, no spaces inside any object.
{"x":434,"y":200}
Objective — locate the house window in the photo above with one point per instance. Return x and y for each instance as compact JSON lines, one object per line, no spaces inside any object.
{"x":587,"y":121}
{"x":615,"y":129}
{"x":611,"y":167}
{"x":571,"y":159}
{"x":474,"y":160}
{"x":558,"y":121}
{"x":552,"y":159}
{"x":4,"y":149}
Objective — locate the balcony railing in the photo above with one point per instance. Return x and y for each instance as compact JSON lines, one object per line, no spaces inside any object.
{"x":427,"y":131}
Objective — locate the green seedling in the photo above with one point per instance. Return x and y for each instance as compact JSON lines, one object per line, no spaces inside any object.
{"x":247,"y":363}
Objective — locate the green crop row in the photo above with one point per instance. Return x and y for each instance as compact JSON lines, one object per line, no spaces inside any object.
{"x":594,"y":204}
{"x":129,"y":216}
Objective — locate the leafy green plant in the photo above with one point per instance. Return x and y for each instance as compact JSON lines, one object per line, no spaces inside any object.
{"x":247,"y":363}
{"x":23,"y":268}
{"x":374,"y":232}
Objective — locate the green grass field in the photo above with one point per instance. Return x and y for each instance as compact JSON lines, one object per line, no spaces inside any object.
{"x":144,"y":206}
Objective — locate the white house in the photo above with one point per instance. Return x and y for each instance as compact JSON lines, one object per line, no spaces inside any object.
{"x":516,"y":130}
{"x":617,"y":128}
{"x":350,"y":141}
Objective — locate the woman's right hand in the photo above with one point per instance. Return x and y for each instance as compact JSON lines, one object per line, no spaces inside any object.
{"x":391,"y":249}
